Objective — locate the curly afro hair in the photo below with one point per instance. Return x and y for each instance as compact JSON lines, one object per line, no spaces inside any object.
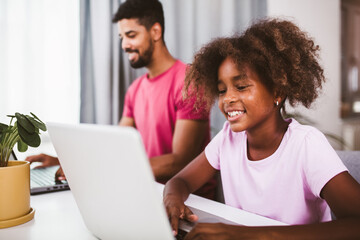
{"x":282,"y":55}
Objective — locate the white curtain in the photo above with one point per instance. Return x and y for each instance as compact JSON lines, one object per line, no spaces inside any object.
{"x":39,"y":59}
{"x":105,"y":72}
{"x":190,"y":24}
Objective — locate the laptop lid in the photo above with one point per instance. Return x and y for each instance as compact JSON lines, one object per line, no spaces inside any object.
{"x":42,"y":180}
{"x":111,"y":179}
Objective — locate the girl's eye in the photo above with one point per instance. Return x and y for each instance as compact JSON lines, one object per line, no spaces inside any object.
{"x":220,"y":92}
{"x":240,"y":88}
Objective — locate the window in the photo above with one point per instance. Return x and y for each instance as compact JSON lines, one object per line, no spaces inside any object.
{"x":350,"y":62}
{"x":39,"y":62}
{"x":39,"y":59}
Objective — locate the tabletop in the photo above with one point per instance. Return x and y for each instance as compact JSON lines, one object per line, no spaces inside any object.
{"x":58,"y":217}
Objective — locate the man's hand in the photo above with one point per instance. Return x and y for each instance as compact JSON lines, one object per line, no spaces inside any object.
{"x":47,"y":161}
{"x":59,"y":175}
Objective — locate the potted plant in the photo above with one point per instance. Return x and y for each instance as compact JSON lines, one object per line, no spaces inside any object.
{"x":23,"y":130}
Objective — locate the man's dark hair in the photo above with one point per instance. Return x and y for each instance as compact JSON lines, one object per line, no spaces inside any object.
{"x":148,"y":12}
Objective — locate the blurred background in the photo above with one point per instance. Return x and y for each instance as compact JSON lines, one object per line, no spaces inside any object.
{"x":62,"y":59}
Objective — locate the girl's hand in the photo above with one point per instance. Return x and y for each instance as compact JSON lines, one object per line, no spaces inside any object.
{"x":176,"y":210}
{"x":221,"y":231}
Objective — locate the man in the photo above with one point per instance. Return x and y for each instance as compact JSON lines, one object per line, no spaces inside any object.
{"x":172,"y":131}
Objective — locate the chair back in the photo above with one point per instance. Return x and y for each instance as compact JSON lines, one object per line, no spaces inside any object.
{"x":351,"y":159}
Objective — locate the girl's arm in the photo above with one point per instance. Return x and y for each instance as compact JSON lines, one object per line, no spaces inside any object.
{"x":178,"y":188}
{"x":342,"y":193}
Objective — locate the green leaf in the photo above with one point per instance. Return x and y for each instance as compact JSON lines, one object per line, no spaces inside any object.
{"x":37,"y":124}
{"x":31,"y":139}
{"x":25,"y":123}
{"x":36,"y":118}
{"x":21,"y":146}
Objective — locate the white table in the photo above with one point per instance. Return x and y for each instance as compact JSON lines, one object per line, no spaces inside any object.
{"x":57,"y":217}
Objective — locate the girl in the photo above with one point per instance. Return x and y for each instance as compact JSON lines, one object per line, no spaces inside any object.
{"x":269,"y":166}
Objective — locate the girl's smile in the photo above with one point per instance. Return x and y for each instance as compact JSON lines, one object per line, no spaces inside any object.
{"x":234,"y":115}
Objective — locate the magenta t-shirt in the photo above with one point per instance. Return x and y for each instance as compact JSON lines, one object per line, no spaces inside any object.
{"x":155,"y":104}
{"x":285,"y":186}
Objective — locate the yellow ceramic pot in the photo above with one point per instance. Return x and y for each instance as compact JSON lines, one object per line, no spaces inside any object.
{"x":15,"y":194}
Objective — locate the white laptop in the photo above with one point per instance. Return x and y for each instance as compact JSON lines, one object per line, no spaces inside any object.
{"x":112,"y":182}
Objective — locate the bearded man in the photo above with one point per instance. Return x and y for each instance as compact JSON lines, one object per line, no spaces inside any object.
{"x":173,"y":132}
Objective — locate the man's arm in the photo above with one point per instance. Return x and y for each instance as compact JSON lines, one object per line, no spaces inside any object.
{"x":187,"y":143}
{"x":127,"y":122}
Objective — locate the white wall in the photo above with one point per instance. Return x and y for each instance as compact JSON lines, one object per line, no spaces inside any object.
{"x":321,"y":19}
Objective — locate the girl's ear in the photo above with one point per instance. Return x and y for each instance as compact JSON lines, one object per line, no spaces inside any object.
{"x":277,"y":101}
{"x":279,"y":98}
{"x":156,"y":32}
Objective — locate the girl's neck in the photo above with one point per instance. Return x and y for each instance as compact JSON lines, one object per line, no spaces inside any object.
{"x":265,"y":140}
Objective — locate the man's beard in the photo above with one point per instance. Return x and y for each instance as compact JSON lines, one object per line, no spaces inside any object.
{"x":144,"y":59}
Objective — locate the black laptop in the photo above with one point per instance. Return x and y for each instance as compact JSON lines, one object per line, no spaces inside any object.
{"x":42,"y":180}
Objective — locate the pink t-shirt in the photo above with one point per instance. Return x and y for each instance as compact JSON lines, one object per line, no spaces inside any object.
{"x":155,"y":104}
{"x":285,"y":186}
